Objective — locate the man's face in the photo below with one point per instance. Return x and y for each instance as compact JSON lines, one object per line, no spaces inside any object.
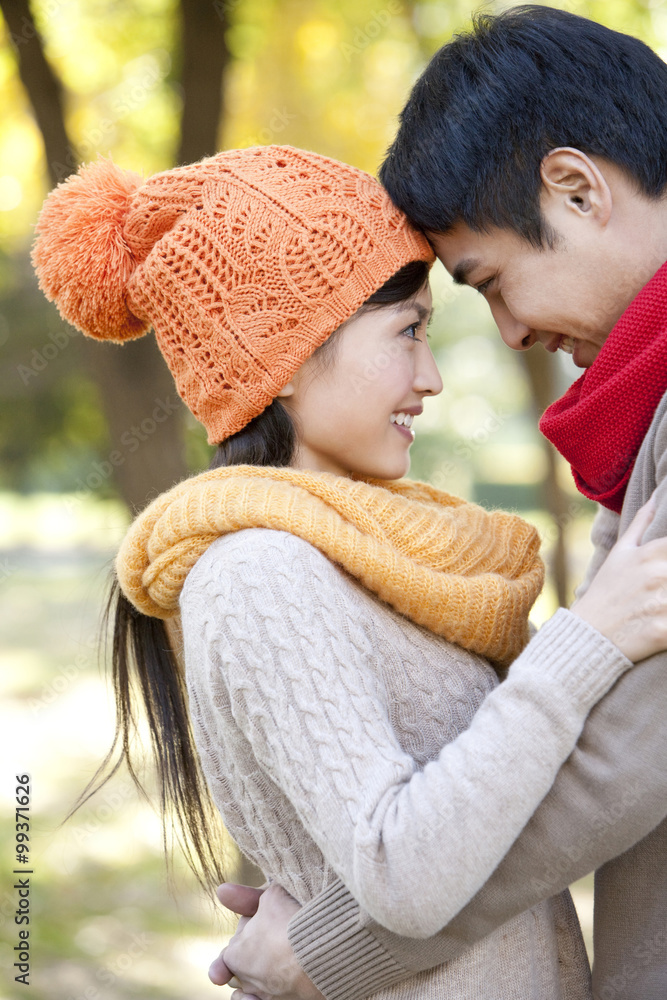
{"x":568,"y":297}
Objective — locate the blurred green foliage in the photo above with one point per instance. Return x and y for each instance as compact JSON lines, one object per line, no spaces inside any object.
{"x":329,"y":75}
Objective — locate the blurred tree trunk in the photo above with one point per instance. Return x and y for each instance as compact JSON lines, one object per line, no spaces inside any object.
{"x":541,"y":375}
{"x":203,"y":57}
{"x":135,"y":385}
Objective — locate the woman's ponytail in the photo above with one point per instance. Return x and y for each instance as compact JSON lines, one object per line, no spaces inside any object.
{"x":148,"y":680}
{"x":145,"y":669}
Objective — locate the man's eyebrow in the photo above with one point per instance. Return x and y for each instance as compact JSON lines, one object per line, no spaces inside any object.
{"x":463,"y":270}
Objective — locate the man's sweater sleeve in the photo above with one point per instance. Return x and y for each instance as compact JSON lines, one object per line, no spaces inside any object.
{"x":604,"y":535}
{"x":631,"y":889}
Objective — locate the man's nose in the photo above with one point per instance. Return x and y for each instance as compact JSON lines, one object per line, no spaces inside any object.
{"x":516,"y":335}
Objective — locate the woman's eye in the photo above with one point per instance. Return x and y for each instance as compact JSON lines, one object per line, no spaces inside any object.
{"x":412,"y":331}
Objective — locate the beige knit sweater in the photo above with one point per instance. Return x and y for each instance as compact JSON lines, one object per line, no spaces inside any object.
{"x":340,"y":739}
{"x":610,"y":793}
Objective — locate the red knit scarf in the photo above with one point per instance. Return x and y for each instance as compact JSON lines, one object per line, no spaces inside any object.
{"x":601,"y":421}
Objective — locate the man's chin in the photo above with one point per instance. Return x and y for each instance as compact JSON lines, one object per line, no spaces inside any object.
{"x":584,"y":354}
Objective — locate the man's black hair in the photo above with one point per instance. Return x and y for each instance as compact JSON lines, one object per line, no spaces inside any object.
{"x":494,"y":101}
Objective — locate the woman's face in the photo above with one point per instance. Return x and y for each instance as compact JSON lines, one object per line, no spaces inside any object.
{"x":354,"y":404}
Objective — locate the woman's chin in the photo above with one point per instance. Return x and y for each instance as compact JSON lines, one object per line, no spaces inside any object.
{"x":388,"y":471}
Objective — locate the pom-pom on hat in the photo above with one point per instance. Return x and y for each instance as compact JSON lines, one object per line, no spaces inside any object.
{"x":243,"y":264}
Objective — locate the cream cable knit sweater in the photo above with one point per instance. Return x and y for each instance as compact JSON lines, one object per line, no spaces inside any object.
{"x":320,"y":714}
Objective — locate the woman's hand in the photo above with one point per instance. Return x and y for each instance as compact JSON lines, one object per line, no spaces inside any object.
{"x":627,"y":599}
{"x":259,"y":956}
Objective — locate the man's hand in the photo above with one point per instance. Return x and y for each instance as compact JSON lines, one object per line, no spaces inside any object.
{"x":259,"y":955}
{"x":241,"y":899}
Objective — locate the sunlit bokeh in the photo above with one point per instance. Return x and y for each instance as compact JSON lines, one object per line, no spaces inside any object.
{"x":328,"y":75}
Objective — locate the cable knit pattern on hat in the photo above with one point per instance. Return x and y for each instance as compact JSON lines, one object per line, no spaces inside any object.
{"x":243,"y":264}
{"x":467,"y":574}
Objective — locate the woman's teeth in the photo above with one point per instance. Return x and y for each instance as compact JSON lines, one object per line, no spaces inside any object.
{"x":405,"y":419}
{"x":566,"y":345}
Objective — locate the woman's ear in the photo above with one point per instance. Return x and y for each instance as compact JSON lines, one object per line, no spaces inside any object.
{"x":287,"y":390}
{"x":571,"y":178}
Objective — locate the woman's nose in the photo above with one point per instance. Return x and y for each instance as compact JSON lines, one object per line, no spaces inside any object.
{"x":427,"y":377}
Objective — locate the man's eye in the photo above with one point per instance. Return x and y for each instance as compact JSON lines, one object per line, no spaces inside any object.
{"x":483,"y":288}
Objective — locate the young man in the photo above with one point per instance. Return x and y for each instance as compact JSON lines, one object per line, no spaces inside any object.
{"x":533,"y":151}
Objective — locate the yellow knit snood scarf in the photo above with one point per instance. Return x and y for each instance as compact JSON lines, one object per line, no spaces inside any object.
{"x":460,"y":571}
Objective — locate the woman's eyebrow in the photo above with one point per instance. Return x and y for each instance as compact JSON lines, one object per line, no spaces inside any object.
{"x":408,"y":305}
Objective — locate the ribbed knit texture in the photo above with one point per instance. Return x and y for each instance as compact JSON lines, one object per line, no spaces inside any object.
{"x":341,"y":739}
{"x":601,"y":421}
{"x":243,"y":264}
{"x":464,"y":573}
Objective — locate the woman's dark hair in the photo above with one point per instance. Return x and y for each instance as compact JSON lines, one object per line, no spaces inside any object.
{"x":146,"y":671}
{"x":495,"y":100}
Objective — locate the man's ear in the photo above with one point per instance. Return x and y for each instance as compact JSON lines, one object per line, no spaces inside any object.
{"x":574,"y":181}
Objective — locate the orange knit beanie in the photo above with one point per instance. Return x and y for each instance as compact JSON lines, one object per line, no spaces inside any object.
{"x":243,"y":264}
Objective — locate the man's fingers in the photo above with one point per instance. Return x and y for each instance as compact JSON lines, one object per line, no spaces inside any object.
{"x":241,"y":899}
{"x":218,"y":972}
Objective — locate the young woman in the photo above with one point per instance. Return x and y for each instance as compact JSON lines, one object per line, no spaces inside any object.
{"x":343,"y":630}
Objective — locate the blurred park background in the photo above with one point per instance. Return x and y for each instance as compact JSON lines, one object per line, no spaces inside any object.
{"x":155,"y":83}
